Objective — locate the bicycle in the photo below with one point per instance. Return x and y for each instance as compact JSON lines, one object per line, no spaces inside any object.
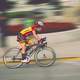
{"x":43,"y":55}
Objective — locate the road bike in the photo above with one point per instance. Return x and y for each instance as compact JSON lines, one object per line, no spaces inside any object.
{"x":43,"y":55}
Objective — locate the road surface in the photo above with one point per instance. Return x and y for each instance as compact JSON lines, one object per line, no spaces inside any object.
{"x":61,"y":70}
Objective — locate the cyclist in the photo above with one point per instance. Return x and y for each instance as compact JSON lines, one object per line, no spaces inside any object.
{"x":27,"y":36}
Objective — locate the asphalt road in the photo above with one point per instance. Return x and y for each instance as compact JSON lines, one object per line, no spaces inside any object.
{"x":61,"y":70}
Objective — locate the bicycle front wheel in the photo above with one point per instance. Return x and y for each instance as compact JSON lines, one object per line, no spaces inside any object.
{"x":12,"y":58}
{"x":45,"y":56}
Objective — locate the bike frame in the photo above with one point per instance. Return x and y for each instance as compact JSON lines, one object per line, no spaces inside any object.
{"x":38,"y":46}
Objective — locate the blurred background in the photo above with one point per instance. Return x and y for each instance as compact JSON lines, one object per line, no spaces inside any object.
{"x":58,"y":15}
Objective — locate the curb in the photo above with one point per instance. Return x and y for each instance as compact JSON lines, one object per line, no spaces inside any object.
{"x":69,"y":59}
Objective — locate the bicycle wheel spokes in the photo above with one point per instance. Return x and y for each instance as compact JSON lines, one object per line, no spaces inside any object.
{"x":46,"y":57}
{"x":12,"y":58}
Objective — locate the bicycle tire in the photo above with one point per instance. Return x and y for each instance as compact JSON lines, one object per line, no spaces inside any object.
{"x":41,"y":61}
{"x":12,"y":58}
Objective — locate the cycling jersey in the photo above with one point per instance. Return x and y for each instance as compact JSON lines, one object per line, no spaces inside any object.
{"x":27,"y":31}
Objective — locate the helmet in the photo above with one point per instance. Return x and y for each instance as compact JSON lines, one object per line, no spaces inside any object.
{"x":40,"y":23}
{"x":39,"y":28}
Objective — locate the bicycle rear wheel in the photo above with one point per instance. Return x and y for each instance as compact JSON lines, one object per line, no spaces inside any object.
{"x":45,"y":57}
{"x":12,"y":58}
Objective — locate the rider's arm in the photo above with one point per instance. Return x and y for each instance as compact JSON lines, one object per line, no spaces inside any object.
{"x":36,"y":35}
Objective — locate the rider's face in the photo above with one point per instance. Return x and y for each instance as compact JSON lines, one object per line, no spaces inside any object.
{"x":39,"y":29}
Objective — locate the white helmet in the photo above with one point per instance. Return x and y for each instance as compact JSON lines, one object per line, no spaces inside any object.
{"x":40,"y":23}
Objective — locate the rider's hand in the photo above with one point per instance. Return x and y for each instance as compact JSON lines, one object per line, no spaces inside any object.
{"x":40,"y":41}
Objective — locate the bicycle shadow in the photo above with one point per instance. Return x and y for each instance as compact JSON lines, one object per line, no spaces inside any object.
{"x":34,"y":65}
{"x":25,"y":65}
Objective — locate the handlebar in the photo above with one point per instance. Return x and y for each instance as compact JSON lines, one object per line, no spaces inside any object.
{"x":40,"y":42}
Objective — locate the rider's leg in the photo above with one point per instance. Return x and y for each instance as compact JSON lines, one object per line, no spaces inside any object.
{"x":22,"y":46}
{"x":27,"y":45}
{"x":25,"y":57}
